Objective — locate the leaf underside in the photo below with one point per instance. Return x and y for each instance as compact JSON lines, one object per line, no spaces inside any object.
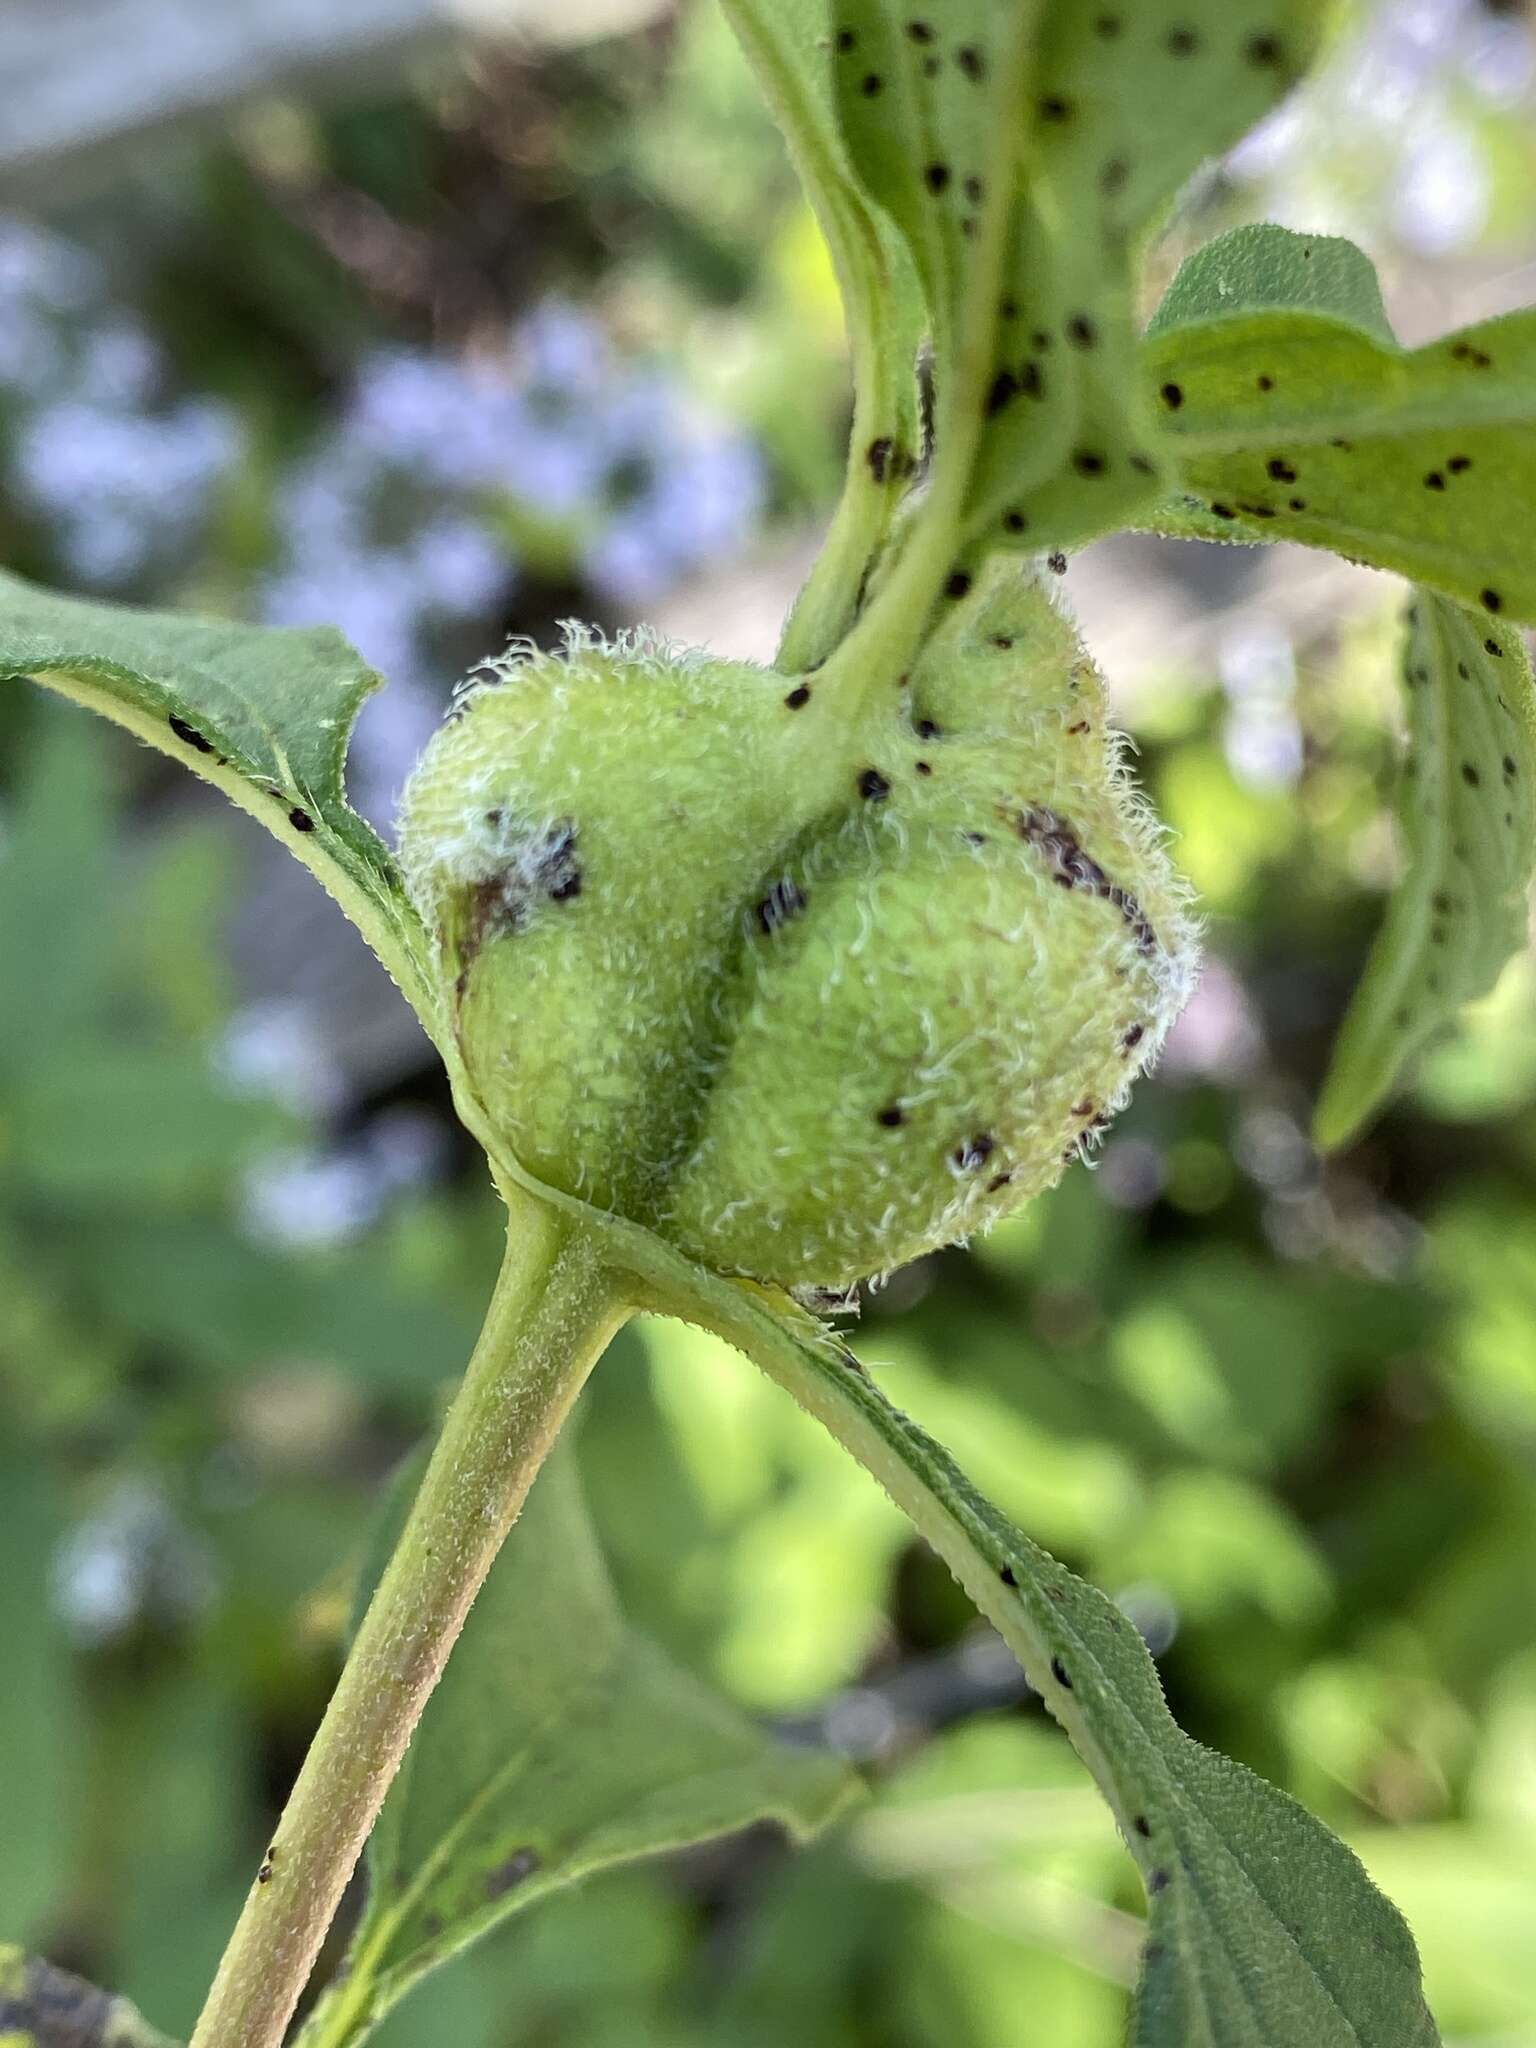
{"x":1466,"y":810}
{"x":41,"y":2007}
{"x":263,"y":714}
{"x":559,"y":1743}
{"x":1295,"y":415}
{"x":1023,"y":151}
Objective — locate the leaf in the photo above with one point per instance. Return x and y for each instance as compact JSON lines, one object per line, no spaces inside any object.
{"x":1466,"y":807}
{"x":1022,"y":151}
{"x":1295,"y":415}
{"x":264,"y":715}
{"x":787,"y":43}
{"x":559,"y":1743}
{"x":41,"y":2007}
{"x":1265,"y":1931}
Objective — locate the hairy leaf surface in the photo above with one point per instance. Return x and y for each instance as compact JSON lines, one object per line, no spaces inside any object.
{"x":1466,"y":809}
{"x":559,"y":1743}
{"x":788,"y":43}
{"x":41,"y":2007}
{"x":1295,"y":415}
{"x":263,"y":714}
{"x":1022,"y":150}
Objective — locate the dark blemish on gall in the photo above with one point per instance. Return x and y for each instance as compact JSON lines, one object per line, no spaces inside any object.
{"x":779,"y":906}
{"x":1081,"y":331}
{"x":1142,"y":464}
{"x":1014,"y":522}
{"x":1088,"y":462}
{"x":878,"y":456}
{"x":189,"y":735}
{"x":972,"y":62}
{"x":1002,"y":640}
{"x":1040,"y":340}
{"x":798,"y":697}
{"x":1458,"y":464}
{"x":919,"y":31}
{"x":846,"y":39}
{"x":301,"y":821}
{"x":264,"y":1875}
{"x":1142,"y":1825}
{"x":872,"y":84}
{"x":924,"y":767}
{"x":1056,"y":563}
{"x":968,"y":227}
{"x":1054,"y":108}
{"x":998,"y":1180}
{"x":931,"y":67}
{"x":1158,"y":1881}
{"x":1469,"y":775}
{"x":1107,"y":26}
{"x":1113,"y":176}
{"x":1004,"y":387}
{"x":975,"y":191}
{"x":1434,"y":481}
{"x":1073,"y":868}
{"x":506,"y":1876}
{"x":1465,"y":352}
{"x":1134,"y":1036}
{"x":892,"y":1117}
{"x":1059,"y":1673}
{"x":1265,"y":383}
{"x":974,"y":838}
{"x":1297,"y":504}
{"x":1084,"y":1109}
{"x":873,"y":786}
{"x":1224,"y":511}
{"x":1264,"y":51}
{"x":1172,"y":396}
{"x":958,"y":583}
{"x":1463,"y":671}
{"x":1007,"y":1575}
{"x":1509,"y":766}
{"x":1280,"y":470}
{"x":1032,"y":380}
{"x":926,"y":729}
{"x":1009,"y":309}
{"x":1182,"y":42}
{"x":1491,"y":601}
{"x":1492,"y":647}
{"x":975,"y":1152}
{"x":936,"y":177}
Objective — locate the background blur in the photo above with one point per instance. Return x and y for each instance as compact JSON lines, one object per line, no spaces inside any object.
{"x":448,"y":329}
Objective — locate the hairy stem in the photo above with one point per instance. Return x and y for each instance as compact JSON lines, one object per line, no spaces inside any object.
{"x":554,"y":1309}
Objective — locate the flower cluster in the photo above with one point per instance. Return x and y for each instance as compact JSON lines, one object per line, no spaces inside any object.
{"x":117,"y":473}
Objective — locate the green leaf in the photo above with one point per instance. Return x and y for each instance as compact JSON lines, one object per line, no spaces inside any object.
{"x":264,"y":715}
{"x":1023,"y":151}
{"x":1295,"y":415}
{"x":41,"y":2007}
{"x":533,"y":1768}
{"x":1265,"y":1931}
{"x":788,"y":43}
{"x":1466,"y":808}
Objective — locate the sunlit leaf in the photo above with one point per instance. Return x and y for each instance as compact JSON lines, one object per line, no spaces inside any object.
{"x":265,"y":715}
{"x":1265,"y":1931}
{"x":1466,"y":807}
{"x":559,"y":1743}
{"x":1294,"y":415}
{"x":41,"y":2007}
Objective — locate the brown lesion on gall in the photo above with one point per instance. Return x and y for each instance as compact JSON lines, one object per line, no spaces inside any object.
{"x":503,"y":903}
{"x":1073,"y":867}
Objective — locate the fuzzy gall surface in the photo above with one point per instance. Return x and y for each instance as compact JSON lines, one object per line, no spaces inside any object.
{"x":807,"y":998}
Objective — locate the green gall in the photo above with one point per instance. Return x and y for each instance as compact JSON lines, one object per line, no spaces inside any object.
{"x":808,"y":996}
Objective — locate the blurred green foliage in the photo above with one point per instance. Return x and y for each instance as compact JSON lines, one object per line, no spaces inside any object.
{"x":1284,"y":1410}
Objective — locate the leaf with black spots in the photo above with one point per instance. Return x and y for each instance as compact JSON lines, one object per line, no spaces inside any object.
{"x":1466,"y":810}
{"x":531,"y":1771}
{"x":789,"y":45}
{"x":1023,"y":151}
{"x":1293,"y":414}
{"x":264,"y":715}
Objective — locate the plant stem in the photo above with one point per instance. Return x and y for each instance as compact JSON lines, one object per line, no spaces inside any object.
{"x":553,"y":1312}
